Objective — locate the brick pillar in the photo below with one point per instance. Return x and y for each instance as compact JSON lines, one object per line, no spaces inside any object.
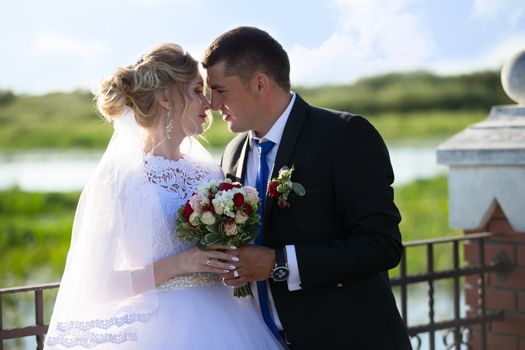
{"x":486,"y":184}
{"x":505,"y":293}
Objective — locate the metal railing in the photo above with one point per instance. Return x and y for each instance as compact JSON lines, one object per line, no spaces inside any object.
{"x":39,"y":329}
{"x":458,"y":325}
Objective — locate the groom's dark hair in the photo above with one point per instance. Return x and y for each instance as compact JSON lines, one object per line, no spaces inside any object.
{"x":247,"y":50}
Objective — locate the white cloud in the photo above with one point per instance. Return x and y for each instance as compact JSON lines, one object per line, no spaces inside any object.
{"x":70,"y":63}
{"x":493,"y":58}
{"x":371,"y":37}
{"x":56,"y":44}
{"x":483,"y":9}
{"x":510,"y":11}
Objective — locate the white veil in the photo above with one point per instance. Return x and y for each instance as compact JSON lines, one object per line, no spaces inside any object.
{"x":108,"y":291}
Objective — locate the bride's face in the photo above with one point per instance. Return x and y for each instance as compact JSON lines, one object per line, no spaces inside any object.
{"x":194,"y":116}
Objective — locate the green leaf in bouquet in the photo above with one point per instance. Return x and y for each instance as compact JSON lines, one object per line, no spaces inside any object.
{"x":211,"y":238}
{"x":253,"y":219}
{"x":298,"y":189}
{"x":213,"y":228}
{"x":243,"y":236}
{"x":186,"y":237}
{"x":182,"y":227}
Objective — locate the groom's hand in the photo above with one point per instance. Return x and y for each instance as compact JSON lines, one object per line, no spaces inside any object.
{"x":255,"y":264}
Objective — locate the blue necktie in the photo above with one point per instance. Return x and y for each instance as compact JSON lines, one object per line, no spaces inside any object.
{"x":261,"y":184}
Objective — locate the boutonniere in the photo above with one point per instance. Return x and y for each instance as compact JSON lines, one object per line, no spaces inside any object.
{"x":280,"y":188}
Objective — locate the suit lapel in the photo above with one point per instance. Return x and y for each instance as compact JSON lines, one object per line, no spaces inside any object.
{"x":240,"y":172}
{"x":289,"y":138}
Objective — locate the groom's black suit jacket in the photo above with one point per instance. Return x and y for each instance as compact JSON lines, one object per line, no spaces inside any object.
{"x":345,"y":231}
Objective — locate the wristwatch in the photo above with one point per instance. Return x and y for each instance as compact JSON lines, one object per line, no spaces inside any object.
{"x":280,"y":271}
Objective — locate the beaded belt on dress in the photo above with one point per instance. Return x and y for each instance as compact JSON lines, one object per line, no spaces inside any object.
{"x":200,"y":279}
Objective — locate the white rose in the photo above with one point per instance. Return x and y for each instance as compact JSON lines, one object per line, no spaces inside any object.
{"x":207,"y":218}
{"x":240,"y":217}
{"x":203,"y":200}
{"x":230,"y":229}
{"x":194,"y":218}
{"x":252,"y":197}
{"x":217,"y":206}
{"x":225,"y":199}
{"x":195,"y":204}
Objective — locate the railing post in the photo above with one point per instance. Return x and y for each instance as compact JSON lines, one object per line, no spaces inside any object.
{"x":481,"y":294}
{"x":1,"y":322}
{"x":457,"y":315}
{"x":430,"y":271}
{"x":39,"y":316}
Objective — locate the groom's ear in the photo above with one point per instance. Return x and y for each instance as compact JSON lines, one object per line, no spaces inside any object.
{"x":261,"y":83}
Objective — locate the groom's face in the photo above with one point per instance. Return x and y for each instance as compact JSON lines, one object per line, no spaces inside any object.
{"x":233,"y":98}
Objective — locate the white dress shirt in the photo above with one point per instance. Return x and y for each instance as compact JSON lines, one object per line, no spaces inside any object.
{"x":274,"y":134}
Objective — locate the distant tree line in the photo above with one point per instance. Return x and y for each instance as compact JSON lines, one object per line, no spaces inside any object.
{"x":393,"y":92}
{"x":415,"y":91}
{"x":6,"y":97}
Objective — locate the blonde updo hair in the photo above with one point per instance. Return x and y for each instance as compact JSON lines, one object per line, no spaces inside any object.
{"x":135,"y":86}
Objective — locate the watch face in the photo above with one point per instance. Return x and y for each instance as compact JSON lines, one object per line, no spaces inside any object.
{"x":280,"y":273}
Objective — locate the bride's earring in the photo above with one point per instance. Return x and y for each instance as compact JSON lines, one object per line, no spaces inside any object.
{"x":169,"y":124}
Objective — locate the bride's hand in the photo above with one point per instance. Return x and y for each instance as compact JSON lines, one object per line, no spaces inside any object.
{"x":197,"y":260}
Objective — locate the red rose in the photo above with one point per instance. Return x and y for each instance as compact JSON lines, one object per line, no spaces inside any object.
{"x":225,"y":186}
{"x":238,"y":200}
{"x":248,"y":209}
{"x":236,"y":185}
{"x":282,"y":203}
{"x":272,"y":189}
{"x":208,"y":207}
{"x":188,"y":210}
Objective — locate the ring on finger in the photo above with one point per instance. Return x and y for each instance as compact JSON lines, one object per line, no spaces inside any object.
{"x":236,"y":274}
{"x":208,"y":262}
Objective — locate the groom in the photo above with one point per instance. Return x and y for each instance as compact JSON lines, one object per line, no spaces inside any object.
{"x":323,"y":259}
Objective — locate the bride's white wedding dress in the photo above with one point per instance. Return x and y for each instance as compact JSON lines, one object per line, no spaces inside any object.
{"x":107,"y":298}
{"x":197,"y":312}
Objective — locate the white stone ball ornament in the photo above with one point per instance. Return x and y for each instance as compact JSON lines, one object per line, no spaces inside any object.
{"x":513,"y":77}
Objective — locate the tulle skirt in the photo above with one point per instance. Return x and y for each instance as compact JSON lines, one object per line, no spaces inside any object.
{"x":206,"y":318}
{"x":196,"y":318}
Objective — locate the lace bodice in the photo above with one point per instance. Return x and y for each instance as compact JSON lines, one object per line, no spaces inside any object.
{"x":175,"y":182}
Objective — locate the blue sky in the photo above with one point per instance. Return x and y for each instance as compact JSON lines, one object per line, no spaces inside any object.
{"x":60,"y":45}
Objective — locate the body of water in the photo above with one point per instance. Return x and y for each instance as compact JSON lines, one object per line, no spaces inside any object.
{"x":70,"y":171}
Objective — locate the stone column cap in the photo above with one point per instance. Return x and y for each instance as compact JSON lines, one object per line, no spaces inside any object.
{"x":498,"y":140}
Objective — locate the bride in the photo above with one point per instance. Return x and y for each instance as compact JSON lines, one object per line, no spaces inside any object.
{"x":129,"y":282}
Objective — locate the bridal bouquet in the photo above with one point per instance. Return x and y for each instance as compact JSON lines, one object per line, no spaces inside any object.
{"x":222,"y":212}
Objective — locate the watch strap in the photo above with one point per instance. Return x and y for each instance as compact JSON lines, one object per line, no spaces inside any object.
{"x":280,"y":258}
{"x":280,"y":272}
